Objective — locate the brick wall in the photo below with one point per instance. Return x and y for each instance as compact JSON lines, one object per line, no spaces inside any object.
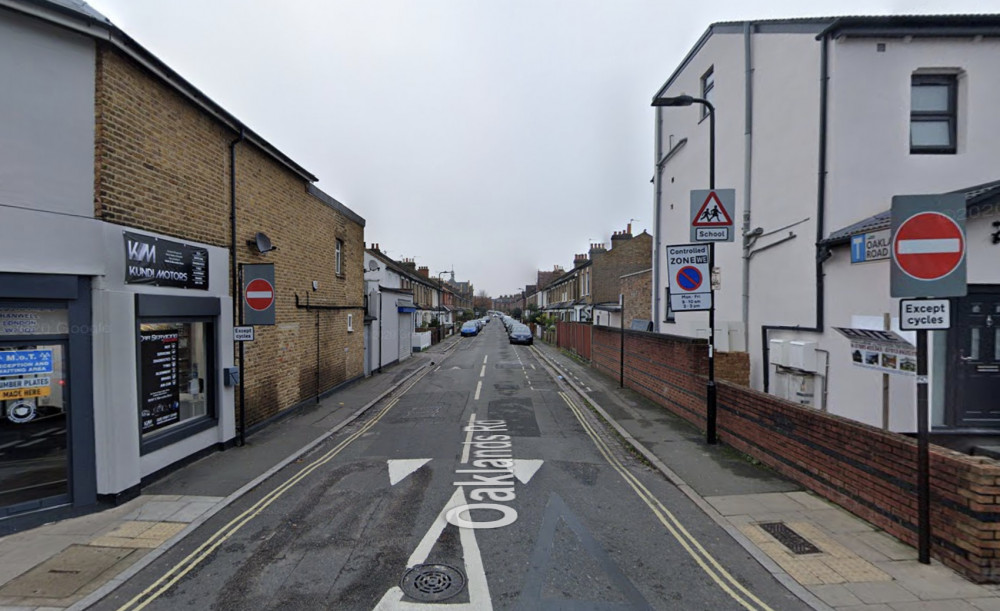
{"x":163,"y":165}
{"x":869,"y":472}
{"x":638,"y":291}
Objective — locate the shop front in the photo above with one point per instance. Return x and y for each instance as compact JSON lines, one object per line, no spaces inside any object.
{"x":46,"y":424}
{"x":110,"y":370}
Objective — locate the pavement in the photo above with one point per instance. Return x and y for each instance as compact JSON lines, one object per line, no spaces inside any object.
{"x":847,"y":564}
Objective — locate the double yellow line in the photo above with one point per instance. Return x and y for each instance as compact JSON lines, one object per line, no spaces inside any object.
{"x":182,"y":568}
{"x":710,"y":565}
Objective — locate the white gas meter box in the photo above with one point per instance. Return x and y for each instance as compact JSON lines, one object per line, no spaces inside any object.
{"x":778,"y":352}
{"x":802,"y":355}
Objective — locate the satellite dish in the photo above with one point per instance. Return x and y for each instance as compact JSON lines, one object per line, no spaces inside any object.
{"x":373,"y":265}
{"x":262,"y":243}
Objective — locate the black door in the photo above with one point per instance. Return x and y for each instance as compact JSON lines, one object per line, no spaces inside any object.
{"x":974,"y":359}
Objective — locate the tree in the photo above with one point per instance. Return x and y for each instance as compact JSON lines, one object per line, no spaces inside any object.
{"x":516,"y":313}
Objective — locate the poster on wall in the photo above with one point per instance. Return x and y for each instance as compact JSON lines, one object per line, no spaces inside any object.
{"x":160,"y":387}
{"x":159,"y":262}
{"x":884,"y":351}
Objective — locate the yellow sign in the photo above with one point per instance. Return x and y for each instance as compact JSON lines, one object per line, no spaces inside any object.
{"x":25,"y":393}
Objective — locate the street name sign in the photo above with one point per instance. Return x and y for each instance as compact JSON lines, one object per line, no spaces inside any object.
{"x":711,"y":218}
{"x":928,"y":246}
{"x":690,"y":277}
{"x":872,"y":246}
{"x":924,"y":314}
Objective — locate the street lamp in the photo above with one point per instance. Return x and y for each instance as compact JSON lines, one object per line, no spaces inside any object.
{"x":710,"y":391}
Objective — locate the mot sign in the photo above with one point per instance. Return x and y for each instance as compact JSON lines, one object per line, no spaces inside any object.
{"x":928,"y":246}
{"x":690,"y":278}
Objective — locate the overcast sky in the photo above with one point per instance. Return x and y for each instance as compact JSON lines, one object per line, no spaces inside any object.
{"x":492,"y":137}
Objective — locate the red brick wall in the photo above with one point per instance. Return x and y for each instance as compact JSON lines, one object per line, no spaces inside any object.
{"x":869,"y":472}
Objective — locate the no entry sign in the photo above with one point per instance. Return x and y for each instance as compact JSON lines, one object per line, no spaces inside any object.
{"x":928,"y":246}
{"x":258,"y":294}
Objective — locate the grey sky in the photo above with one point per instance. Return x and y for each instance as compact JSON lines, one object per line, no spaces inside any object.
{"x":498,"y":137}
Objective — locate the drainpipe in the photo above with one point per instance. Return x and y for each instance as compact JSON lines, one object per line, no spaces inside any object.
{"x":822,"y":252}
{"x":657,"y":196}
{"x":747,"y":174}
{"x":237,"y":301}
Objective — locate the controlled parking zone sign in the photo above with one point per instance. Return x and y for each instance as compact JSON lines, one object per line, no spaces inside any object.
{"x":928,"y":246}
{"x":687,"y":268}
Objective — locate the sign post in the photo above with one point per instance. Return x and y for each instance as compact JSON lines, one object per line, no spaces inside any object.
{"x":928,"y":260}
{"x":257,"y":295}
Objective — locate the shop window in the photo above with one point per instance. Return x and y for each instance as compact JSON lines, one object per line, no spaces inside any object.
{"x":176,"y":369}
{"x":175,"y":375}
{"x":33,"y":426}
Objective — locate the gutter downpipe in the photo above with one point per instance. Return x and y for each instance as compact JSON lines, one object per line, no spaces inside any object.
{"x":237,"y":301}
{"x":657,"y":195}
{"x":822,"y":252}
{"x":747,"y":176}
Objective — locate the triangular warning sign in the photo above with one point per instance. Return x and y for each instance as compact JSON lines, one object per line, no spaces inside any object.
{"x":712,"y":213}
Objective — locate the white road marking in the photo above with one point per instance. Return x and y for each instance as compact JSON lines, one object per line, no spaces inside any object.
{"x":468,"y":439}
{"x":485,"y":356}
{"x":525,"y":468}
{"x":479,"y":591}
{"x":482,"y":372}
{"x":928,"y":247}
{"x":532,"y":365}
{"x":479,"y":387}
{"x":400,"y":469}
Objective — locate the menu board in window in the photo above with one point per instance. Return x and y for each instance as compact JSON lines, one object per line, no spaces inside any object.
{"x":160,"y":385}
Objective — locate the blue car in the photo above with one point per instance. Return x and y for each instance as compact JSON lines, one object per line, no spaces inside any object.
{"x":470,"y":329}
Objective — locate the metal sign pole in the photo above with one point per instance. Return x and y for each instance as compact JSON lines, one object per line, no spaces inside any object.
{"x":710,"y":390}
{"x":621,"y":336}
{"x":243,"y":375}
{"x":923,"y":454}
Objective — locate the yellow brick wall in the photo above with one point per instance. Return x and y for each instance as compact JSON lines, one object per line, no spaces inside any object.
{"x":162,"y":164}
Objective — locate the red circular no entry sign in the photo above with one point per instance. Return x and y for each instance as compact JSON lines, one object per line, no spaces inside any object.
{"x":928,"y":246}
{"x":259,"y":294}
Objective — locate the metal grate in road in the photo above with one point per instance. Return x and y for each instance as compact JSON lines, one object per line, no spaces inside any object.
{"x":789,"y":538}
{"x":432,"y":582}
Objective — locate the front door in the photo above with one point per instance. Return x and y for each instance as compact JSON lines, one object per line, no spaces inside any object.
{"x":974,"y":359}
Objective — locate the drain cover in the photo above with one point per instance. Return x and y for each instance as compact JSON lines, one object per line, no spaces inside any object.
{"x":789,"y":538}
{"x":432,"y":582}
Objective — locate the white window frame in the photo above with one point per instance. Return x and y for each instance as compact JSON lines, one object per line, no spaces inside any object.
{"x":350,"y":323}
{"x":338,"y":263}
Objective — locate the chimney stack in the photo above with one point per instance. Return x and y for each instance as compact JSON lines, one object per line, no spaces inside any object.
{"x":424,"y":271}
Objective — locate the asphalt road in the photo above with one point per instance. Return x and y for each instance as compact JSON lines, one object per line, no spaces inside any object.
{"x":485,"y":485}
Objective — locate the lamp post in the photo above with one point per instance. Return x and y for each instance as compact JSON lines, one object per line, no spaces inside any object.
{"x":710,"y":390}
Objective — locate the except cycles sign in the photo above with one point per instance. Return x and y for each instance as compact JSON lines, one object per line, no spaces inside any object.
{"x":917,"y":314}
{"x":687,"y":268}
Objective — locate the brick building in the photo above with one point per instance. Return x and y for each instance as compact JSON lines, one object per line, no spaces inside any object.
{"x":130,"y":201}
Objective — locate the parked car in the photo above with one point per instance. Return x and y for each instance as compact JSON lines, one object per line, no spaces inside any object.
{"x":521,"y":334}
{"x":470,"y":329}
